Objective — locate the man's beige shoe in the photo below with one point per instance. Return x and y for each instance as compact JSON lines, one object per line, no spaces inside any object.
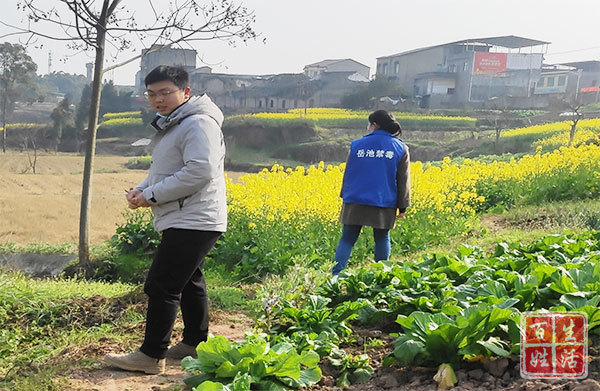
{"x":181,"y":350}
{"x":136,"y":361}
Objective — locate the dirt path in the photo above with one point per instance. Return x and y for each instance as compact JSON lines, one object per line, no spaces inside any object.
{"x":232,"y":325}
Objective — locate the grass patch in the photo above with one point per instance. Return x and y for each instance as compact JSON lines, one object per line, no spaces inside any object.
{"x":260,"y":158}
{"x":38,"y":248}
{"x":139,"y":163}
{"x":39,"y":318}
{"x":563,"y":215}
{"x":51,"y":326}
{"x":523,"y":224}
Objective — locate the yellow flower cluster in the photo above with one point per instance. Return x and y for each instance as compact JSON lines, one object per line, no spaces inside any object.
{"x":123,"y":114}
{"x":439,"y":193}
{"x":343,"y":118}
{"x":333,"y":113}
{"x":582,"y":136}
{"x":118,"y":122}
{"x":28,"y":126}
{"x":289,"y":193}
{"x":550,"y":129}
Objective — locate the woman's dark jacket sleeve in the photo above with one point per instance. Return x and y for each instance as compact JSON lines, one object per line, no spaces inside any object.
{"x":403,"y":181}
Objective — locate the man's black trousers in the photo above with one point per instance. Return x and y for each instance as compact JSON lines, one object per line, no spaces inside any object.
{"x":175,"y":279}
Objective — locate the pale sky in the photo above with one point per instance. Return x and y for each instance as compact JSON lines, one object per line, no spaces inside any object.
{"x":303,"y":32}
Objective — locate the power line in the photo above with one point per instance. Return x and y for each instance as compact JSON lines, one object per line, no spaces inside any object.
{"x":574,"y":51}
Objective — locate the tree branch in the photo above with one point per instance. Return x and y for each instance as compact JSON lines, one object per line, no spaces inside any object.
{"x":89,"y":12}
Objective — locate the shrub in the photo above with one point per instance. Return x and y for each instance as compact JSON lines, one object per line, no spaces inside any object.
{"x":135,"y":243}
{"x":137,"y":235}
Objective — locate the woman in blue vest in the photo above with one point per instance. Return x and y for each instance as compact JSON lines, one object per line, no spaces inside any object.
{"x":376,"y":187}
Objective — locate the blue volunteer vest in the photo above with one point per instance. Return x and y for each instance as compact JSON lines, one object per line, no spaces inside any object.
{"x":370,"y":176}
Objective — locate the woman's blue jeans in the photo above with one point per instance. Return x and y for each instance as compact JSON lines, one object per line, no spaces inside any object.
{"x":350,"y":235}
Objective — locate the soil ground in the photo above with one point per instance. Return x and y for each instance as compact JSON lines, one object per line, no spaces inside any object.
{"x":102,"y":378}
{"x":501,"y":375}
{"x":44,"y":207}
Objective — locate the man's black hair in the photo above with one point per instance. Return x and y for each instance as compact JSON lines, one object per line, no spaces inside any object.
{"x":177,"y":75}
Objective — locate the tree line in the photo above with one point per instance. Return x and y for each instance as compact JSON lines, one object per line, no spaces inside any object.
{"x":68,"y":120}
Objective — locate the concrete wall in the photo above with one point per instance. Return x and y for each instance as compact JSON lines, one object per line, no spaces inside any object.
{"x":39,"y":265}
{"x":165,"y":56}
{"x":403,"y":70}
{"x":349,"y":66}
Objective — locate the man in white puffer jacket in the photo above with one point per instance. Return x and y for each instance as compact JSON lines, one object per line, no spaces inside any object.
{"x":185,"y":188}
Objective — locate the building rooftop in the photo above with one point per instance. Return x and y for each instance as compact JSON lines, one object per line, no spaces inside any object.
{"x":507,"y":41}
{"x":325,"y":63}
{"x":582,"y":64}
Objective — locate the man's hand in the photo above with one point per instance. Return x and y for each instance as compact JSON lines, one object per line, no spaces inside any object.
{"x":140,"y":201}
{"x":135,"y":199}
{"x":401,"y":214}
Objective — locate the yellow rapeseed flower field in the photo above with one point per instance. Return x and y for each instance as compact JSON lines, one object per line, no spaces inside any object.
{"x":30,"y":126}
{"x":122,"y":114}
{"x":582,"y":136}
{"x":549,"y":129}
{"x":332,"y":117}
{"x":125,"y":121}
{"x":448,"y":190}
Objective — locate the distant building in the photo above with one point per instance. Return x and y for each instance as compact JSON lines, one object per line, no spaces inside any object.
{"x":557,"y":81}
{"x":89,"y":71}
{"x":343,"y":65}
{"x":252,"y":93}
{"x":157,"y":55}
{"x":255,"y":93}
{"x":468,"y":72}
{"x":588,"y":83}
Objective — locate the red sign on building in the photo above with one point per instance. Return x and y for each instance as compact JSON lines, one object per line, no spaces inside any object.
{"x":590,"y":89}
{"x":489,"y":63}
{"x":554,"y":345}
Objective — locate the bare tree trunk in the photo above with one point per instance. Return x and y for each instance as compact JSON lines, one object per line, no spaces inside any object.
{"x":58,"y":137}
{"x":90,"y":150}
{"x":497,"y":142}
{"x":572,"y":132}
{"x":4,"y":107}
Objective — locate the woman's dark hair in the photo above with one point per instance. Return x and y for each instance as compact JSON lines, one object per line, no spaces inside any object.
{"x":385,"y":121}
{"x":177,"y":75}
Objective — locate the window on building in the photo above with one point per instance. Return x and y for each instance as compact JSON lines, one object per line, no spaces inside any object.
{"x":466,"y":67}
{"x":550,"y":82}
{"x":396,"y":67}
{"x":260,"y":103}
{"x":453,"y":68}
{"x":384,"y":69}
{"x":450,"y":91}
{"x":283,"y":104}
{"x":562,"y":80}
{"x":540,"y":83}
{"x":272,"y":103}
